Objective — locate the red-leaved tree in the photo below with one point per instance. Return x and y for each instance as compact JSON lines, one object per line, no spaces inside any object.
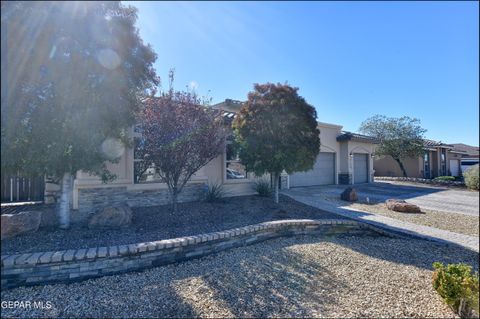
{"x":180,"y":135}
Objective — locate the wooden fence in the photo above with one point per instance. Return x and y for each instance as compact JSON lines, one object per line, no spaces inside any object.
{"x":22,"y":189}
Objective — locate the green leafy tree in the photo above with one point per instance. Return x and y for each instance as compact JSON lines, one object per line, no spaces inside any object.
{"x":400,"y":138}
{"x":73,"y":75}
{"x":276,"y":130}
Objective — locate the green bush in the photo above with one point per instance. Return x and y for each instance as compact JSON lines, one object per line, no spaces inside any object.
{"x":458,"y":286}
{"x":263,"y":188}
{"x":445,"y":178}
{"x":471,"y":177}
{"x":215,"y":193}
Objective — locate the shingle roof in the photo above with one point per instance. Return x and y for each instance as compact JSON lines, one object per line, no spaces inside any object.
{"x":349,"y":136}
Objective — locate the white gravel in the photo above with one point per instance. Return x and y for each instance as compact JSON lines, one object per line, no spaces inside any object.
{"x":301,"y":276}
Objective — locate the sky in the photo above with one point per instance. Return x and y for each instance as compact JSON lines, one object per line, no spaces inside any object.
{"x":351,"y":60}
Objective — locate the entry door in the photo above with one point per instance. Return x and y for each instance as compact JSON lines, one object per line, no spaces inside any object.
{"x":360,"y":168}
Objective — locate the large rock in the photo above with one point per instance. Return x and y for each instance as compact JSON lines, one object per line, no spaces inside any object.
{"x":349,"y":194}
{"x":111,"y":217}
{"x":23,"y":222}
{"x":402,"y":206}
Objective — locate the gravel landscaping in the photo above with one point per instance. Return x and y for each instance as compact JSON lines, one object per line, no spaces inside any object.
{"x":156,"y":223}
{"x":457,"y":223}
{"x":302,"y":276}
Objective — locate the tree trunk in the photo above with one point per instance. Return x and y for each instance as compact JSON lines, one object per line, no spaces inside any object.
{"x":275,"y":186}
{"x":174,"y":200}
{"x":401,"y":167}
{"x":65,"y":199}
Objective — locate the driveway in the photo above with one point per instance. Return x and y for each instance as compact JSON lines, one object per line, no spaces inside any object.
{"x":443,"y":199}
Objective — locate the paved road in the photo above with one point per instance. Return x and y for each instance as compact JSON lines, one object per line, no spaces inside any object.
{"x":443,"y":199}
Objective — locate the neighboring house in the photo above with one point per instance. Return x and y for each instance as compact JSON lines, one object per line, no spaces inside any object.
{"x":344,"y":158}
{"x":439,"y":159}
{"x":470,"y":158}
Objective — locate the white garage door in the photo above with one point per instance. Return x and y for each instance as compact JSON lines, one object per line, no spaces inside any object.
{"x":454,"y":167}
{"x":323,"y":172}
{"x":360,"y":168}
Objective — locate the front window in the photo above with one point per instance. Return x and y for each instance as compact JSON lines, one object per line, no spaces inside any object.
{"x":143,"y":170}
{"x":426,"y":168}
{"x":444,"y":162}
{"x":233,"y":168}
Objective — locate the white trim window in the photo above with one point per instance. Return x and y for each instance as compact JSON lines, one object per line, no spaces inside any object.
{"x":234,"y":169}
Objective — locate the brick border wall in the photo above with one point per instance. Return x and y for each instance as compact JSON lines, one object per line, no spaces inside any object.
{"x":80,"y":264}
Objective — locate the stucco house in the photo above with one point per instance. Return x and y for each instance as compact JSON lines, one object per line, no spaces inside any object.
{"x":344,"y":158}
{"x":439,"y":159}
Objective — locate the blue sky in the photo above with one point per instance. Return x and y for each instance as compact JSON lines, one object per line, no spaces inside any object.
{"x":351,"y":60}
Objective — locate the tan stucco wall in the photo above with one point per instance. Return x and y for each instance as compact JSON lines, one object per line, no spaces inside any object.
{"x":387,"y":166}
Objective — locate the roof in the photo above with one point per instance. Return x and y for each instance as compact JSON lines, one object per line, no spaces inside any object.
{"x":349,"y":136}
{"x":469,"y":150}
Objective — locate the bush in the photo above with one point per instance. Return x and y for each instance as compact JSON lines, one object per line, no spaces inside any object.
{"x":263,"y":188}
{"x":445,"y":178}
{"x":458,"y":286}
{"x":471,"y":177}
{"x":215,"y":193}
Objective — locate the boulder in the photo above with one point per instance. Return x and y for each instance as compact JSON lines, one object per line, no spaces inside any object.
{"x":402,"y":206}
{"x":23,"y":222}
{"x":111,"y":217}
{"x":349,"y":194}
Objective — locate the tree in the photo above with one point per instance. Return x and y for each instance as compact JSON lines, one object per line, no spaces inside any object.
{"x":73,"y":75}
{"x":180,"y":135}
{"x":276,"y":130}
{"x":400,"y":138}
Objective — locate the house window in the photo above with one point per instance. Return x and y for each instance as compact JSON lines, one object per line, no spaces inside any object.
{"x":444,"y":162}
{"x":143,"y":171}
{"x":426,"y":165}
{"x":234,"y":170}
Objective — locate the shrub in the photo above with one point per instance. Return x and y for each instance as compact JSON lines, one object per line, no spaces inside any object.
{"x":471,"y":177}
{"x":458,"y":286}
{"x":263,"y":188}
{"x":445,"y":178}
{"x":215,"y":193}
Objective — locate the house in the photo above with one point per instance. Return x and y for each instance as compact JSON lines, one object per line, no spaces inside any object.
{"x":439,"y":159}
{"x":344,"y":158}
{"x":471,"y":156}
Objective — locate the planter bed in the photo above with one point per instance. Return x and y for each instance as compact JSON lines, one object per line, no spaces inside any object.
{"x":156,"y":223}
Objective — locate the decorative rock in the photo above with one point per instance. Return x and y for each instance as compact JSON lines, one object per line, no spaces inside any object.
{"x":111,"y":217}
{"x":349,"y":194}
{"x":402,"y":206}
{"x":16,"y":224}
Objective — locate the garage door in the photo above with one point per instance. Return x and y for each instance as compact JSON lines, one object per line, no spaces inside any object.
{"x":323,"y":172}
{"x":360,"y":168}
{"x":454,"y":167}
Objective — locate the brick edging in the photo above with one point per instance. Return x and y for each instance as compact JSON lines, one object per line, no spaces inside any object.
{"x":79,"y":264}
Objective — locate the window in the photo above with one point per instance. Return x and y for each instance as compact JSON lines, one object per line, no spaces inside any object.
{"x":444,"y":162}
{"x":234,"y":170}
{"x":143,"y":171}
{"x":426,"y":163}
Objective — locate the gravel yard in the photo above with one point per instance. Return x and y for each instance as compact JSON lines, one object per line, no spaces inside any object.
{"x":156,"y":223}
{"x":302,"y":276}
{"x":462,"y":224}
{"x":457,"y":223}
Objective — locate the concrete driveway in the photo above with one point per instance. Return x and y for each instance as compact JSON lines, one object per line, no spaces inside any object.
{"x":443,"y":199}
